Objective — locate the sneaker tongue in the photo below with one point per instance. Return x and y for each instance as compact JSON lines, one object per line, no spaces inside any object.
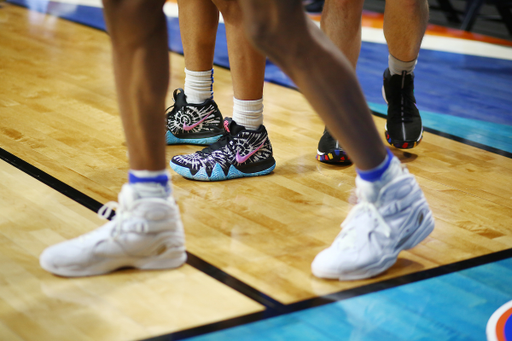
{"x":232,"y":127}
{"x":127,"y":196}
{"x":180,"y":98}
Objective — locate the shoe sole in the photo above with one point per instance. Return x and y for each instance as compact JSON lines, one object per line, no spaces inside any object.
{"x":167,"y":260}
{"x":217,"y":173}
{"x":334,"y":157}
{"x":400,"y":144}
{"x":170,"y":139}
{"x":423,"y":231}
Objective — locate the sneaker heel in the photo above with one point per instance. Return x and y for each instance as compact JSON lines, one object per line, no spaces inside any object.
{"x":425,"y":229}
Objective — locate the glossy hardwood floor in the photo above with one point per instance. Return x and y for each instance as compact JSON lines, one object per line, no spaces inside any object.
{"x":58,"y":112}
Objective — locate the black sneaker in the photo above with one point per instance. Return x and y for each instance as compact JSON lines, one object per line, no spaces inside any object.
{"x":403,"y":127}
{"x":330,"y":151}
{"x":238,"y":153}
{"x":192,"y":123}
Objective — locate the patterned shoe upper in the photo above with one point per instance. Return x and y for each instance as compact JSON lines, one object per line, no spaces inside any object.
{"x":330,"y":151}
{"x":242,"y":148}
{"x":199,"y":120}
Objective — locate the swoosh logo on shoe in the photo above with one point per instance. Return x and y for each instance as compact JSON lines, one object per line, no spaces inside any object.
{"x":242,"y":159}
{"x":190,"y":127}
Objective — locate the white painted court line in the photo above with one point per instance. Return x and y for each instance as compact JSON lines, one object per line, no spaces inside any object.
{"x":376,"y":35}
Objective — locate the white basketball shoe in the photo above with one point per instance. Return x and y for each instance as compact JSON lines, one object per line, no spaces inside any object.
{"x":391,"y":215}
{"x":146,"y":233}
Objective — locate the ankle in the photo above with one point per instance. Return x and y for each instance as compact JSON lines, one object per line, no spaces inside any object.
{"x":397,"y":66}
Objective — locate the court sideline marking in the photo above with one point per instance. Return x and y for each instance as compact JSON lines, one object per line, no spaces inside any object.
{"x":273,"y":308}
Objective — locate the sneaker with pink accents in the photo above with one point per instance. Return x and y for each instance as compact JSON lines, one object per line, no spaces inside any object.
{"x":238,"y":153}
{"x":189,"y":123}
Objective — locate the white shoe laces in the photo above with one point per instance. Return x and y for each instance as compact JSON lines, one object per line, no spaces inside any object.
{"x":347,"y":237}
{"x":121,"y":215}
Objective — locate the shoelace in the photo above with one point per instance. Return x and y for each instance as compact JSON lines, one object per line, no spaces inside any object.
{"x":407,"y":102}
{"x":346,"y":238}
{"x":221,"y":142}
{"x":104,"y":213}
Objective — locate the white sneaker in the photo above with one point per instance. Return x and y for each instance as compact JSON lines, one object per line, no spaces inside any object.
{"x":146,"y":233}
{"x":391,"y":215}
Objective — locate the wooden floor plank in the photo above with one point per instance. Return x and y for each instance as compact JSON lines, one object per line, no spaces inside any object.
{"x":58,"y":112}
{"x":35,"y":305}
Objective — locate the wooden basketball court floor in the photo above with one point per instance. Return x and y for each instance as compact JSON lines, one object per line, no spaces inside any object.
{"x":250,"y":241}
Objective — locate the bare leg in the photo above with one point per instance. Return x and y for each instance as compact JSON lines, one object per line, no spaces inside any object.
{"x":141,"y":67}
{"x":247,"y":63}
{"x":147,"y":216}
{"x":341,"y":22}
{"x":246,"y":126}
{"x":373,"y":236}
{"x":405,"y":22}
{"x":281,"y":30}
{"x":198,"y":25}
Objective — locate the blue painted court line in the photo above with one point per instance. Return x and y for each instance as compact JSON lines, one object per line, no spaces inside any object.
{"x":461,"y":95}
{"x":456,"y":306}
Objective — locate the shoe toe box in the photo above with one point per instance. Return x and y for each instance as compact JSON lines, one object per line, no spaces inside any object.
{"x":345,"y":264}
{"x":64,"y":258}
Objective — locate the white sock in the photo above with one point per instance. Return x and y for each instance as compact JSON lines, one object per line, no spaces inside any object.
{"x":150,"y":184}
{"x":396,"y":66}
{"x":248,"y":113}
{"x":198,"y":86}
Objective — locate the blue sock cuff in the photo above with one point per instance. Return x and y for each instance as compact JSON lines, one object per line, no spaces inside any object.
{"x":375,"y":174}
{"x":160,"y":179}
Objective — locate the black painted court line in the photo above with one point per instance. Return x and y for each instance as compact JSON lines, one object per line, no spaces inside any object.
{"x":57,"y":14}
{"x":273,"y":308}
{"x":338,"y":296}
{"x":271,"y":304}
{"x":49,"y":180}
{"x":93,"y":205}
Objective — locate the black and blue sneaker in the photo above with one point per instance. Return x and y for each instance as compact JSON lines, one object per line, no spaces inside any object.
{"x":193,"y":123}
{"x":238,"y":153}
{"x":330,"y":151}
{"x":403,"y":127}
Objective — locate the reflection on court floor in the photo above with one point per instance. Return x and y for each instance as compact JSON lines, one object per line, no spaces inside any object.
{"x":248,"y":273}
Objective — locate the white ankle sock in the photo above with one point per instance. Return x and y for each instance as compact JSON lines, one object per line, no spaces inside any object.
{"x":150,"y":184}
{"x":198,"y":86}
{"x":396,"y":66}
{"x":248,"y":113}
